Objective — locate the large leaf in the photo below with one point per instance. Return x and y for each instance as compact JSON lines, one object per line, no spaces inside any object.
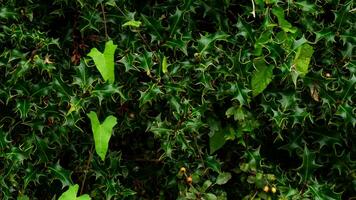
{"x":102,"y":133}
{"x":261,"y":77}
{"x":105,"y":61}
{"x":71,"y":194}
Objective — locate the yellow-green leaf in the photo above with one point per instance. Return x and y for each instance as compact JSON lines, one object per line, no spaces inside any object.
{"x":132,"y":23}
{"x":105,"y":61}
{"x":102,"y":133}
{"x":71,"y":194}
{"x":302,"y":59}
{"x":164,"y":65}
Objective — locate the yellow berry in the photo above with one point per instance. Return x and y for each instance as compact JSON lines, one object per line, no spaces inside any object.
{"x":189,"y":180}
{"x":274,"y":190}
{"x":266,"y":188}
{"x":182,"y":170}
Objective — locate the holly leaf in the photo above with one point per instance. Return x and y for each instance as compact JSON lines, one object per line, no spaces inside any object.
{"x":61,"y":174}
{"x":309,"y":165}
{"x":223,"y":178}
{"x":283,"y":23}
{"x":132,"y":23}
{"x":102,"y":133}
{"x":261,"y":77}
{"x":71,"y":194}
{"x":105,"y":61}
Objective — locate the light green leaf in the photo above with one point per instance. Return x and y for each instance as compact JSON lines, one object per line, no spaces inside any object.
{"x":223,"y":178}
{"x":302,"y":59}
{"x":164,"y":65}
{"x":105,"y":61}
{"x":132,"y":23}
{"x":102,"y":133}
{"x":71,"y":194}
{"x":261,"y":77}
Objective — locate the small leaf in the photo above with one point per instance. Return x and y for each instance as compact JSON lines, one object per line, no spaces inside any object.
{"x":105,"y":61}
{"x":132,"y":23}
{"x":302,"y":59}
{"x":71,"y":194}
{"x":223,"y":178}
{"x":164,"y":65}
{"x":102,"y":133}
{"x":261,"y":77}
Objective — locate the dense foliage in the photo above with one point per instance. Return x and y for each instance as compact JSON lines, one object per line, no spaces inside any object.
{"x":210,"y":99}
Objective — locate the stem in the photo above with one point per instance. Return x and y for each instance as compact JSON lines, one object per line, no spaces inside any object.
{"x":86,"y":169}
{"x":104,"y":17}
{"x":253,"y":9}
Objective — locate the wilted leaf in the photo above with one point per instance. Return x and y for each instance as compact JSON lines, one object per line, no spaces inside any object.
{"x":102,"y":133}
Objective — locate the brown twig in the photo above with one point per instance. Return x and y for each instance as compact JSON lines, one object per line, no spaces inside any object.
{"x":86,"y":169}
{"x":104,"y":17}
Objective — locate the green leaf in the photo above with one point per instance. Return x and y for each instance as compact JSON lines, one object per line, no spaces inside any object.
{"x":71,"y":194}
{"x":23,"y":197}
{"x":283,"y":23}
{"x":105,"y":61}
{"x":132,"y":23}
{"x":261,"y":77}
{"x":308,"y":166}
{"x":102,"y":133}
{"x":302,"y":59}
{"x":164,"y":65}
{"x":60,"y":174}
{"x":216,"y":141}
{"x":175,"y":22}
{"x":205,"y":42}
{"x":223,"y":178}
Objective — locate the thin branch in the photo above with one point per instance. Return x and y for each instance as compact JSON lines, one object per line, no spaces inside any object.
{"x":86,"y":169}
{"x":104,"y":16}
{"x":253,"y":9}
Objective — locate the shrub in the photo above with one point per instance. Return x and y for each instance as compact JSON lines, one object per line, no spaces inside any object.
{"x":213,"y":99}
